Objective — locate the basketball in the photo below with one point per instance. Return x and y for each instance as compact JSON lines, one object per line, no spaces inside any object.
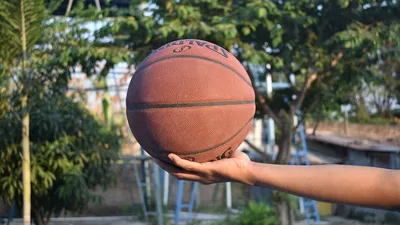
{"x":192,"y":98}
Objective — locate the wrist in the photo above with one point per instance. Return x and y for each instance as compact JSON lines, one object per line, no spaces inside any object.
{"x":250,"y":175}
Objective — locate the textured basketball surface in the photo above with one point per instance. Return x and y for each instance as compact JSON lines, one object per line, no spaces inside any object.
{"x":192,"y":98}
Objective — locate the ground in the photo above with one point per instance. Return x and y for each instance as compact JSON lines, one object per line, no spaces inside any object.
{"x":331,"y":220}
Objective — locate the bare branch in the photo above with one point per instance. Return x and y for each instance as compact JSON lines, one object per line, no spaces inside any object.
{"x":294,"y":88}
{"x":265,"y":107}
{"x":69,"y":6}
{"x":267,"y":157}
{"x":98,"y":6}
{"x":307,"y":83}
{"x":333,"y":64}
{"x":337,"y":58}
{"x":305,"y":112}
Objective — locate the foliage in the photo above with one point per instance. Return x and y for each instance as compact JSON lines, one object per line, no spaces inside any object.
{"x":21,"y":23}
{"x":375,"y":47}
{"x":258,"y":214}
{"x":328,"y":46}
{"x":255,"y":213}
{"x":377,"y":120}
{"x":71,"y":151}
{"x":396,"y":112}
{"x":71,"y":154}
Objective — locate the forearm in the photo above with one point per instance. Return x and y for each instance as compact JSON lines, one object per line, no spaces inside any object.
{"x":364,"y":186}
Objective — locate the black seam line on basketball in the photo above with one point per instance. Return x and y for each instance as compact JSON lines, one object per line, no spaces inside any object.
{"x":186,"y":105}
{"x":196,"y":57}
{"x":218,"y":145}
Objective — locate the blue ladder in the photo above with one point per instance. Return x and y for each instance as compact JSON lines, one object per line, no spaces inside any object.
{"x":141,"y":184}
{"x":300,"y":157}
{"x":179,"y":199}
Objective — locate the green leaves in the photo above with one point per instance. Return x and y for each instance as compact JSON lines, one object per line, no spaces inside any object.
{"x":246,"y":31}
{"x":343,"y":3}
{"x":258,"y":213}
{"x":262,"y":13}
{"x":20,"y":20}
{"x":70,"y":156}
{"x":71,"y":151}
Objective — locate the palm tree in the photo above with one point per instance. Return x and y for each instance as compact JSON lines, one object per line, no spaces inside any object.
{"x":21,"y":23}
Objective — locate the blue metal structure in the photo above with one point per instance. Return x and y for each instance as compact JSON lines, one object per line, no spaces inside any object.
{"x":179,"y":201}
{"x":142,"y":185}
{"x":300,"y":157}
{"x":142,"y":178}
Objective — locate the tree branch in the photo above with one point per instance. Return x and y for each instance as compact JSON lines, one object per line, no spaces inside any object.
{"x":38,"y":217}
{"x":265,"y":107}
{"x":305,"y":112}
{"x":336,"y":60}
{"x":259,"y":151}
{"x":307,"y":83}
{"x":333,"y":64}
{"x":69,"y":6}
{"x":310,"y":79}
{"x":46,"y":222}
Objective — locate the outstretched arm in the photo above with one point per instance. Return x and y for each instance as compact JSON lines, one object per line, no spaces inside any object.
{"x":364,"y":186}
{"x":357,"y":185}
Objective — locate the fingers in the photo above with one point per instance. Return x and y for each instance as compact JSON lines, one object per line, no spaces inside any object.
{"x":179,"y":173}
{"x":189,"y":177}
{"x":186,"y":164}
{"x":167,"y":167}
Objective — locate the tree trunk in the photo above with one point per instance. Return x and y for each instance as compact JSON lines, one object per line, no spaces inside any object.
{"x":285,"y":212}
{"x":26,"y":162}
{"x":361,"y":110}
{"x":37,"y":217}
{"x":285,"y":141}
{"x":283,"y":157}
{"x":316,"y":126}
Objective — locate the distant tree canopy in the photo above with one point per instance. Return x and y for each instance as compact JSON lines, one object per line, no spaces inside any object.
{"x":330,"y":46}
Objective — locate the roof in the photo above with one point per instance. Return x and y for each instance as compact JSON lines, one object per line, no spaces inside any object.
{"x":355,"y":143}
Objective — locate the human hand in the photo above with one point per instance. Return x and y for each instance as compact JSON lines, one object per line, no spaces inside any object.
{"x":235,"y":168}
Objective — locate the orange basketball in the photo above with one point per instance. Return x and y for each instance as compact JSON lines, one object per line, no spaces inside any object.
{"x":192,"y":98}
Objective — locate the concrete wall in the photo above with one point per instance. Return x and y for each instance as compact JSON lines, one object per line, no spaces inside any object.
{"x":382,"y":160}
{"x":368,"y":215}
{"x":358,"y":158}
{"x":395,"y":161}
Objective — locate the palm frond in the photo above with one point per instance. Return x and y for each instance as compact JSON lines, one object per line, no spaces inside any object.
{"x":20,"y":19}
